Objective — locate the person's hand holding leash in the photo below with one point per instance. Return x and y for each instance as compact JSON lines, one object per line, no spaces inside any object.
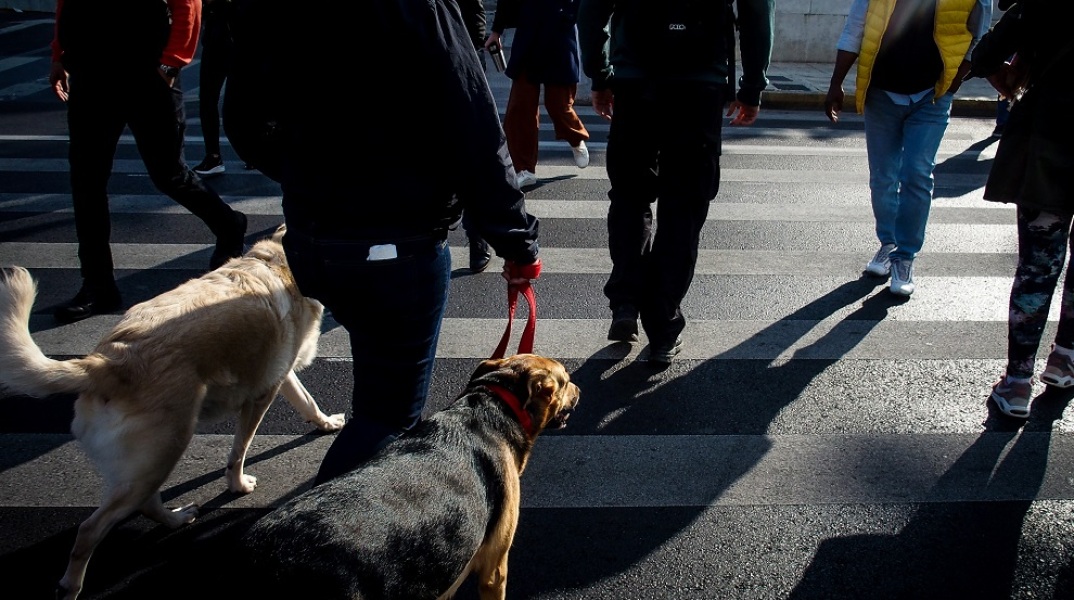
{"x":517,"y":274}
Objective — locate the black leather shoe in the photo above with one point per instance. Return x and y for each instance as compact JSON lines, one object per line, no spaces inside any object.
{"x":624,"y":324}
{"x":230,"y":244}
{"x":480,"y":254}
{"x":89,"y":301}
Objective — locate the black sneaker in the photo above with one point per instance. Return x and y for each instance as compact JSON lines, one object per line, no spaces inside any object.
{"x":90,"y":300}
{"x":230,"y":244}
{"x":663,"y":353}
{"x":480,"y":254}
{"x":212,"y":165}
{"x":624,"y":324}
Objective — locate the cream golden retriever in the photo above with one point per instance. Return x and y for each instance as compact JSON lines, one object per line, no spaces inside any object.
{"x":220,"y":345}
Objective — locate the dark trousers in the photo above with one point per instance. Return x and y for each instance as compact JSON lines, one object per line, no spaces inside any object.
{"x":664,"y":143}
{"x":392,"y":310}
{"x":216,"y":53}
{"x":98,"y":109}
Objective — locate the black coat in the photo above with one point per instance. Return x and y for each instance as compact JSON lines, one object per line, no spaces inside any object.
{"x":545,"y":45}
{"x":1034,"y":164}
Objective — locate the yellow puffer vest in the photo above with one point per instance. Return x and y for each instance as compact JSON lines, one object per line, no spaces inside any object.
{"x":950,"y":32}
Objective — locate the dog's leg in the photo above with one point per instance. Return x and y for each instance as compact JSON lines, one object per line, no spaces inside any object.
{"x":296,"y":393}
{"x":154,"y":508}
{"x":248,"y":420}
{"x":120,"y":501}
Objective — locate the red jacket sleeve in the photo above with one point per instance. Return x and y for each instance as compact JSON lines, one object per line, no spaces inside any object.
{"x":183,"y":40}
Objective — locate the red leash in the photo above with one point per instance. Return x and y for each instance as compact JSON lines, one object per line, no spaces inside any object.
{"x":525,"y":345}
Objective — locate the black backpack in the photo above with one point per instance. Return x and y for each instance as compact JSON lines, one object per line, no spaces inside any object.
{"x":250,"y":109}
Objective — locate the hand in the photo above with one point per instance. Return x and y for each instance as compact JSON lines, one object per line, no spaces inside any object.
{"x":742,"y":114}
{"x":833,"y":103}
{"x":57,"y":79}
{"x":603,"y":102}
{"x":168,"y":79}
{"x":517,"y":274}
{"x":493,"y":38}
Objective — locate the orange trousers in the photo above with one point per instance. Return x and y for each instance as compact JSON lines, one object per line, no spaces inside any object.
{"x":522,"y":121}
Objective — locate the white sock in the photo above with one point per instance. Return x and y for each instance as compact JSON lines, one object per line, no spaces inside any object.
{"x":1013,"y":379}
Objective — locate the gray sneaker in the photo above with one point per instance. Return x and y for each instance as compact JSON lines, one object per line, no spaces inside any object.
{"x":1012,"y":397}
{"x":1059,"y":371}
{"x":880,"y":265}
{"x":902,"y":277}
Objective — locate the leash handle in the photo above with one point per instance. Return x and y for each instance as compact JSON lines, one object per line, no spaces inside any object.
{"x":525,"y":345}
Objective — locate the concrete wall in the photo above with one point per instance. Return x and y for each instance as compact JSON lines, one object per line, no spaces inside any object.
{"x":806,"y":30}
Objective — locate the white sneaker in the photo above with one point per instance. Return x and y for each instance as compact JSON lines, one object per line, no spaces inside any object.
{"x":526,"y":178}
{"x":881,"y":263}
{"x":902,"y":277}
{"x":581,"y":155}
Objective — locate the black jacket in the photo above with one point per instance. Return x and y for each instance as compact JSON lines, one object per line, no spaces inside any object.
{"x":386,"y":125}
{"x":1033,"y":161}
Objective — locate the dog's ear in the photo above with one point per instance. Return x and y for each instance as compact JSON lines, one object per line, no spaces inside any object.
{"x":542,"y":386}
{"x":277,"y":236}
{"x":486,"y":367}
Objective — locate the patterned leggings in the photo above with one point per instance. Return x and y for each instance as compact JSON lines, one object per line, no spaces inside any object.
{"x":1042,"y":250}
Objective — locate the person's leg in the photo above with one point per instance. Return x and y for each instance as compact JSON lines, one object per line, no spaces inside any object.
{"x":688,"y":181}
{"x":95,"y":123}
{"x":158,"y":125}
{"x":923,"y":131}
{"x":883,"y":143}
{"x":1042,"y":241}
{"x":631,"y":160}
{"x":559,"y":103}
{"x":210,"y":83}
{"x":392,"y":310}
{"x":521,"y":122}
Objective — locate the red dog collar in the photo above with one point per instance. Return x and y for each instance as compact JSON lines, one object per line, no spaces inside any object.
{"x":511,"y":400}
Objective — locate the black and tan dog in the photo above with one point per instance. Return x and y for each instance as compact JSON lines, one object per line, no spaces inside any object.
{"x":436,"y":505}
{"x":219,"y":345}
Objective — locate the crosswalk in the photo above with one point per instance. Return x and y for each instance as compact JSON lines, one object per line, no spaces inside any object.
{"x":816,"y":438}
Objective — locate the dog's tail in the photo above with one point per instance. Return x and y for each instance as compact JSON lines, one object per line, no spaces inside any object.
{"x":24,"y":369}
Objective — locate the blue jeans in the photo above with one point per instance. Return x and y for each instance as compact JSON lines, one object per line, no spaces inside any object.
{"x":392,"y":310}
{"x":902,"y":142}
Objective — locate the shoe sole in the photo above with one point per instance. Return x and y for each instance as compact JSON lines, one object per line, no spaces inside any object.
{"x":1059,"y":382}
{"x":1009,"y":410}
{"x":903,"y":293}
{"x":623,"y":331}
{"x":877,"y":271}
{"x":210,"y":172}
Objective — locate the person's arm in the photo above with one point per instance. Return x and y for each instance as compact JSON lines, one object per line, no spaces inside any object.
{"x":833,"y":101}
{"x":593,"y":39}
{"x":846,"y":52}
{"x":756,"y":24}
{"x":473,"y":140}
{"x":57,"y":75}
{"x":473,"y":12}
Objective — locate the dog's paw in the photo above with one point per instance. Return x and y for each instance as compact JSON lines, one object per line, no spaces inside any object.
{"x":184,"y":515}
{"x":243,"y":484}
{"x":330,"y":424}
